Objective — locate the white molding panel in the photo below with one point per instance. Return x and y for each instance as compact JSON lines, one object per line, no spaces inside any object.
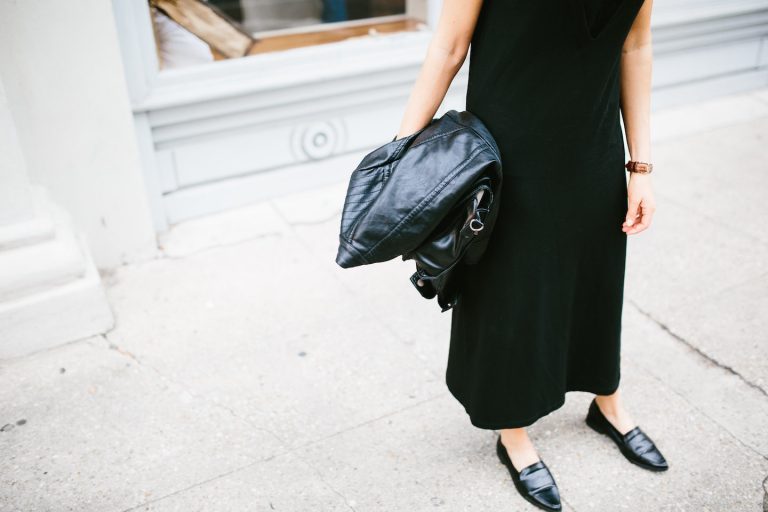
{"x":706,"y":48}
{"x":232,"y":132}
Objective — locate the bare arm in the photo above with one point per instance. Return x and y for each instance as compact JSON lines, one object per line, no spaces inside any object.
{"x":445,"y":55}
{"x":636,"y":65}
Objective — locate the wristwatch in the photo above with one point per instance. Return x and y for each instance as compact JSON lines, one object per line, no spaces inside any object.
{"x":639,"y":167}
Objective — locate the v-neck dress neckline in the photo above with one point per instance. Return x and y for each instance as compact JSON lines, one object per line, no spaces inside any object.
{"x":592,"y":18}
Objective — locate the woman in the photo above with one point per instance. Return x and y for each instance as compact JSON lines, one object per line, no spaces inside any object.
{"x":540,"y":315}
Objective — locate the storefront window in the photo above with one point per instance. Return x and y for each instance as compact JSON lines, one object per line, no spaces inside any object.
{"x":190,"y":32}
{"x":262,"y":15}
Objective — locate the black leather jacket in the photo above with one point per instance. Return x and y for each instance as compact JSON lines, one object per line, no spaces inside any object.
{"x":431,"y":196}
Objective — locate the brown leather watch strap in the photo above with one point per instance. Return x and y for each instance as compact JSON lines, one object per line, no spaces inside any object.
{"x":639,"y":167}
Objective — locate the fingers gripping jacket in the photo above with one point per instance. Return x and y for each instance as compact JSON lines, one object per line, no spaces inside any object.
{"x":431,"y":196}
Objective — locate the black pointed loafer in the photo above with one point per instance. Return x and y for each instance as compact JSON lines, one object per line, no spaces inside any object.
{"x":534,"y":483}
{"x":635,"y":445}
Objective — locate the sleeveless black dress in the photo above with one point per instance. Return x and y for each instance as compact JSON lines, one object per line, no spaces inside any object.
{"x":540,"y":314}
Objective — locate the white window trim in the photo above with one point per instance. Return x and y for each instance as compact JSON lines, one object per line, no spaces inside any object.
{"x":151,"y":88}
{"x":187,"y":106}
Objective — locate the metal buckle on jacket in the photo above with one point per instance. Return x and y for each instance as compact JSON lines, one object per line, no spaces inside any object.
{"x":476,"y":225}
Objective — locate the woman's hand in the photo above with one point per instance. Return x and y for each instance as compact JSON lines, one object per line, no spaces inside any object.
{"x":640,"y":204}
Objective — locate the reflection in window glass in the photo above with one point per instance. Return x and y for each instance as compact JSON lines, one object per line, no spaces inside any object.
{"x":238,"y":28}
{"x":263,"y":15}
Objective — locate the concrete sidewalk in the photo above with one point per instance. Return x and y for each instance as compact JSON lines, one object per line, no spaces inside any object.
{"x":248,"y":372}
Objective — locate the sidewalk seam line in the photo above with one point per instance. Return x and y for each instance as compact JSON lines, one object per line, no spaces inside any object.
{"x":320,"y":476}
{"x":701,"y":411}
{"x":369,"y":312}
{"x":189,"y":389}
{"x":198,"y":484}
{"x":713,"y":220}
{"x":697,"y":350}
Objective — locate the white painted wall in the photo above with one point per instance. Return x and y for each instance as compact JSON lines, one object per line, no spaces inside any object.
{"x":50,"y":291}
{"x":62,"y":69}
{"x":15,"y":197}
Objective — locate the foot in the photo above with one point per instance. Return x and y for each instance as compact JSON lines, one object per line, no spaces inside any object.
{"x":519,"y":447}
{"x":635,"y":444}
{"x":612,"y":408}
{"x":534,"y":482}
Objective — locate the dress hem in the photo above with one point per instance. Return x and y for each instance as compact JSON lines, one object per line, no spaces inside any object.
{"x":497,"y":425}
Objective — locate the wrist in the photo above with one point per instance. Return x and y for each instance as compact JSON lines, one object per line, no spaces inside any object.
{"x":638,"y":167}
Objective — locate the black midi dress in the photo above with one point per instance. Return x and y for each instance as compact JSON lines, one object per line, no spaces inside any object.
{"x":540,"y":314}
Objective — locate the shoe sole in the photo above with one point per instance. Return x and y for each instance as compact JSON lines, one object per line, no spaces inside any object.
{"x":636,"y":463}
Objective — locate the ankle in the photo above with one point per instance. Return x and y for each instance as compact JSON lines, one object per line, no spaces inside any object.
{"x":613,"y":410}
{"x":519,"y":447}
{"x":608,"y":404}
{"x":511,"y":437}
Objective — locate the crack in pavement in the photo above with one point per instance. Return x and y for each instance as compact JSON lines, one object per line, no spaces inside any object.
{"x":703,"y":214}
{"x":366,"y":422}
{"x":163,"y":253}
{"x":765,"y":494}
{"x":729,"y":288}
{"x":336,"y":215}
{"x":113,"y":346}
{"x":197,"y":484}
{"x":567,"y":503}
{"x":701,"y":411}
{"x":758,"y":97}
{"x":207,"y":248}
{"x":697,"y":350}
{"x":320,"y":477}
{"x":299,"y":449}
{"x":366,"y":307}
{"x":296,"y":451}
